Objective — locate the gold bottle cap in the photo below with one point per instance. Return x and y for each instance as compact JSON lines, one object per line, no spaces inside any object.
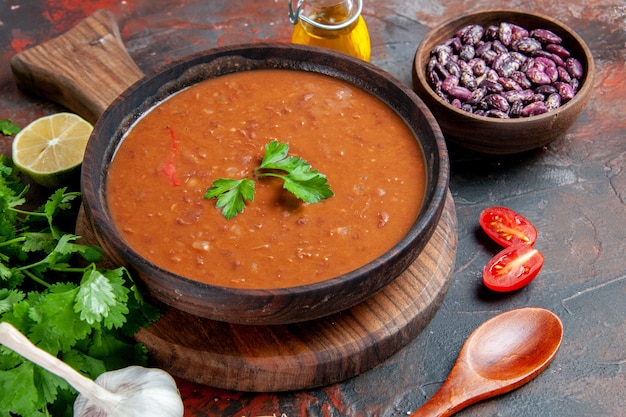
{"x":295,"y":15}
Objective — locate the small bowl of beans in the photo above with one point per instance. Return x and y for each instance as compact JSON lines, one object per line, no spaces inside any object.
{"x":503,"y":81}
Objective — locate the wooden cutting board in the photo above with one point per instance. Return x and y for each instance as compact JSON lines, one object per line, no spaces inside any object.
{"x":315,"y":353}
{"x":307,"y":354}
{"x":230,"y":356}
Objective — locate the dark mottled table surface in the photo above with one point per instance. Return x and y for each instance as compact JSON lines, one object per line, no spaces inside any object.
{"x":574,"y":190}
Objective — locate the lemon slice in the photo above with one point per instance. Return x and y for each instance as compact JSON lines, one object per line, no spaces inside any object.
{"x":50,"y":150}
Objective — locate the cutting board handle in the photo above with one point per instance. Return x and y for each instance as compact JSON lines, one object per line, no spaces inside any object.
{"x":84,"y":69}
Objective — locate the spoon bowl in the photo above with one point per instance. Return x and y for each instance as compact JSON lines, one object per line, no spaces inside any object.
{"x":502,"y":354}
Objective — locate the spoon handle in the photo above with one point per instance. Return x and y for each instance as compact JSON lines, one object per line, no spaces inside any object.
{"x":439,"y":405}
{"x":462,"y":388}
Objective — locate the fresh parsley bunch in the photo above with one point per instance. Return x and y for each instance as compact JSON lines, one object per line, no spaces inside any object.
{"x":53,"y":292}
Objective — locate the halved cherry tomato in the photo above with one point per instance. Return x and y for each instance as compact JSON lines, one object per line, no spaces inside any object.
{"x":512,"y":268}
{"x":507,"y":227}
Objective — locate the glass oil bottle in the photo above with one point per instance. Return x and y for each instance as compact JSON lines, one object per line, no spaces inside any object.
{"x":334,"y":24}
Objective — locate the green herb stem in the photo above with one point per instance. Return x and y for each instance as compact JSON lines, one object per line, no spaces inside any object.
{"x":25,"y":268}
{"x":28,"y":213}
{"x":271,"y":174}
{"x":69,"y":269}
{"x":12,"y":241}
{"x":36,"y":278}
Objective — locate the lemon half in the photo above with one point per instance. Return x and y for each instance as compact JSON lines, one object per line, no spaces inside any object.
{"x":50,"y":150}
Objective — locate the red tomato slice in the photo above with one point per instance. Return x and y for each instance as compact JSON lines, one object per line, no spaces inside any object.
{"x":507,"y":227}
{"x":512,"y":268}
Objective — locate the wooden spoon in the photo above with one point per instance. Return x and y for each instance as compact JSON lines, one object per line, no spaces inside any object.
{"x":502,"y":354}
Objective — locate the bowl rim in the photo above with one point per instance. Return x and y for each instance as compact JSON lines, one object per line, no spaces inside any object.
{"x":425,"y":222}
{"x":580,"y":96}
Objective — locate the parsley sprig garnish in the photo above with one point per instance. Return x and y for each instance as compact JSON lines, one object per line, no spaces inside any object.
{"x":298,"y":177}
{"x":8,"y":128}
{"x":53,"y":292}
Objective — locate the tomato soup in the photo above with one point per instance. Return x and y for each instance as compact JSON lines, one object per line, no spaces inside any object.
{"x":218,"y":129}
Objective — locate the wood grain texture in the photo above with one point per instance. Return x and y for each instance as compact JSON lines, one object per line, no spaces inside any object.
{"x":274,"y":305}
{"x":315,"y":353}
{"x":574,"y":188}
{"x":502,"y":354}
{"x":84,"y":69}
{"x":88,"y":70}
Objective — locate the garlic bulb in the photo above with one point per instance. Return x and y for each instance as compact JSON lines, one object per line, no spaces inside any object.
{"x":141,"y":392}
{"x":129,"y":392}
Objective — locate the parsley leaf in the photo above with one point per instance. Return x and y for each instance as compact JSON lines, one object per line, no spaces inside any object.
{"x":64,"y":304}
{"x":276,"y":157}
{"x":103,"y":297}
{"x":51,"y":315}
{"x":310,"y":188}
{"x":231,"y":194}
{"x":8,"y":128}
{"x":298,"y":177}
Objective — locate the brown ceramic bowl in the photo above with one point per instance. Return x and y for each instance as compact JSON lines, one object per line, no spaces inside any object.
{"x":502,"y":136}
{"x":272,"y":306}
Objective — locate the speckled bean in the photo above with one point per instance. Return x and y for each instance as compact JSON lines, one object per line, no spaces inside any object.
{"x":516,"y":109}
{"x":553,"y":101}
{"x":534,"y":109}
{"x":546,"y":36}
{"x":479,"y":67}
{"x":557,"y":50}
{"x":492,"y":86}
{"x":552,"y":73}
{"x":504,"y":70}
{"x":467,"y":107}
{"x":520,"y":78}
{"x":477,"y":95}
{"x":526,"y":45}
{"x":453,"y":68}
{"x":461,"y":93}
{"x":482,"y":47}
{"x":489,"y":56}
{"x":545,"y":89}
{"x":537,"y":76}
{"x":464,"y":66}
{"x":467,"y":52}
{"x":518,"y":32}
{"x":492,"y":75}
{"x":492,"y":32}
{"x":564,"y":75}
{"x":546,"y":61}
{"x":472,"y":34}
{"x":499,"y":114}
{"x":498,"y":102}
{"x":455,"y":43}
{"x":566,"y":91}
{"x":558,"y":60}
{"x":449,"y":83}
{"x":574,"y":67}
{"x":509,"y":84}
{"x":518,"y":95}
{"x":505,"y":33}
{"x":499,"y":47}
{"x":468,"y":80}
{"x":441,"y":70}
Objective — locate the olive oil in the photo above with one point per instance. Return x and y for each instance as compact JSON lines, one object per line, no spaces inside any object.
{"x":333,"y":24}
